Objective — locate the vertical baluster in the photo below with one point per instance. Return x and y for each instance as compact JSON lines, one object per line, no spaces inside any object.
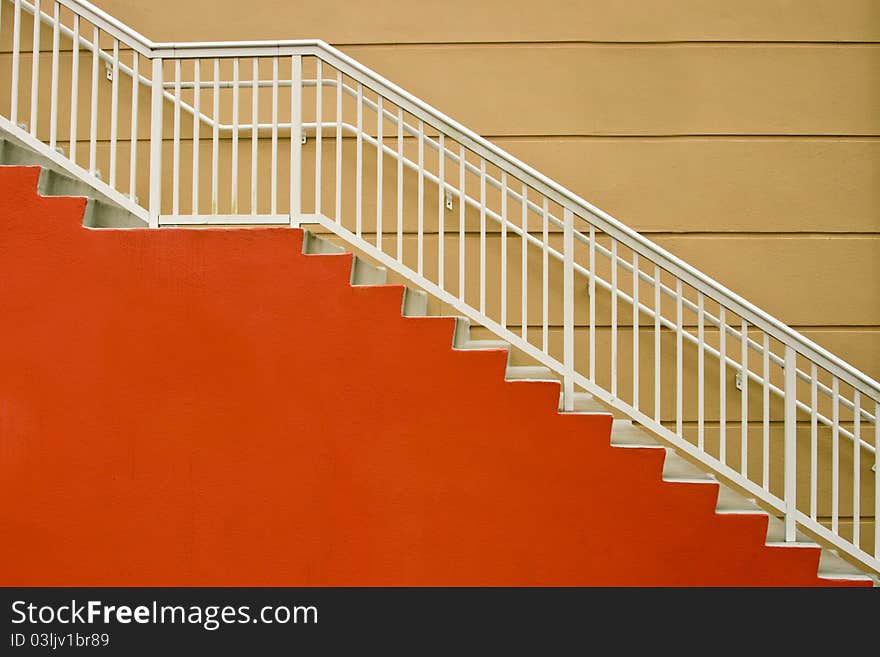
{"x":790,"y":445}
{"x":814,"y":442}
{"x":400,"y":185}
{"x":16,"y":57}
{"x":157,"y":98}
{"x":766,"y":417}
{"x":614,"y":318}
{"x":380,"y":155}
{"x":114,"y":112}
{"x":53,"y":99}
{"x":657,"y":414}
{"x":441,"y":189}
{"x":835,"y":454}
{"x":319,"y":128}
{"x":568,"y":310}
{"x":234,"y":168}
{"x":504,"y":249}
{"x":175,"y":145}
{"x":74,"y":86}
{"x":679,"y":389}
{"x":255,"y":133}
{"x":482,"y":236}
{"x":635,"y":336}
{"x":296,"y":139}
{"x":339,"y":154}
{"x":273,"y":191}
{"x":461,"y":219}
{"x":215,"y":139}
{"x":592,"y":293}
{"x":93,"y":125}
{"x":133,"y":148}
{"x":35,"y":69}
{"x":744,"y":400}
{"x":420,"y":212}
{"x":722,"y":386}
{"x":857,"y":467}
{"x":359,"y":141}
{"x":524,"y":282}
{"x":701,"y":393}
{"x":545,"y":282}
{"x":876,"y":480}
{"x":196,"y":129}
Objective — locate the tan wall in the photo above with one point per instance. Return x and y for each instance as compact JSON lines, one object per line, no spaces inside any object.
{"x":743,"y":137}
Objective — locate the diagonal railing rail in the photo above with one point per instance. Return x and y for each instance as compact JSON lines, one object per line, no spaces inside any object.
{"x":295,"y":132}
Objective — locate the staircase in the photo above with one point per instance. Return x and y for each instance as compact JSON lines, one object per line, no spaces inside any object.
{"x":471,"y":233}
{"x":253,"y":490}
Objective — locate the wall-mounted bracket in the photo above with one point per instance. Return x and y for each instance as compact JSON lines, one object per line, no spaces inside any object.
{"x":448,"y":200}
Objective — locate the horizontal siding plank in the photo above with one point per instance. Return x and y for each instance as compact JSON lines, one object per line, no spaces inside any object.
{"x":401,"y":21}
{"x":723,"y":184}
{"x":586,"y":90}
{"x":796,"y":279}
{"x":652,"y":185}
{"x":639,"y":90}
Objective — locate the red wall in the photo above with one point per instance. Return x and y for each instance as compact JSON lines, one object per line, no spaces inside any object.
{"x":211,"y":407}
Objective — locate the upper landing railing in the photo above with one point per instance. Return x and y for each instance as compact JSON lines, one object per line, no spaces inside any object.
{"x":295,"y":131}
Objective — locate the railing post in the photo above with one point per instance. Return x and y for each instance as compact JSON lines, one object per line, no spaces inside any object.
{"x":296,"y":133}
{"x":790,"y":450}
{"x":156,"y":144}
{"x":568,"y":312}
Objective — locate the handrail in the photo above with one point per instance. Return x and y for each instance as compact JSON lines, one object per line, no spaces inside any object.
{"x":515,"y":183}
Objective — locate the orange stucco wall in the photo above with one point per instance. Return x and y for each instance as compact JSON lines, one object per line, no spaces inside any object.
{"x":212,"y":407}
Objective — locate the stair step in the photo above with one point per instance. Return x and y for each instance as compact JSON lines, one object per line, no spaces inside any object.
{"x":730,"y":500}
{"x":775,"y":527}
{"x":831,"y":563}
{"x":14,"y":154}
{"x":485,"y":344}
{"x":831,"y":566}
{"x":415,"y":303}
{"x":366,"y":273}
{"x":462,"y":333}
{"x":585,"y":402}
{"x":529,"y":373}
{"x":776,"y":531}
{"x":99,"y":214}
{"x":624,"y":432}
{"x":861,"y":577}
{"x":676,"y":467}
{"x":54,"y":183}
{"x":315,"y":245}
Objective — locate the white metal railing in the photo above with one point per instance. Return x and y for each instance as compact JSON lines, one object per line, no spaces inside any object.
{"x":295,"y":131}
